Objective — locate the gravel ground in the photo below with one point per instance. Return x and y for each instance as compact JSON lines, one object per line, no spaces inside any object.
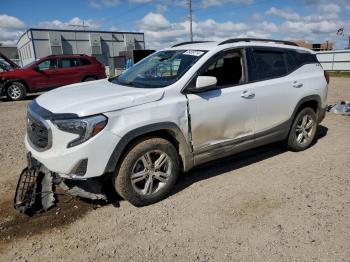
{"x":267,"y":204}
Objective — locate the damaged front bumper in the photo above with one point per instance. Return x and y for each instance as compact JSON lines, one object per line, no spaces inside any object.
{"x":36,"y":188}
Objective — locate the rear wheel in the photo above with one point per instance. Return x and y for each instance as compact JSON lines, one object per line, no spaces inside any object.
{"x":303,"y":130}
{"x":148,"y":172}
{"x":16,"y":91}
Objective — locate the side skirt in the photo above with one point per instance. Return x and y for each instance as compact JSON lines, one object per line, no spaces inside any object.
{"x":235,"y":146}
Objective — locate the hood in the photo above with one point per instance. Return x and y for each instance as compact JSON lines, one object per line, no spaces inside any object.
{"x":8,"y":60}
{"x":96,"y":97}
{"x":13,"y":72}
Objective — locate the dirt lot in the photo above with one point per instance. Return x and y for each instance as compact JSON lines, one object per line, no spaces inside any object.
{"x":267,"y":204}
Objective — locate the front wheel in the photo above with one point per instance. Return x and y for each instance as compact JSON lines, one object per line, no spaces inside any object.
{"x":16,"y":91}
{"x":148,"y":172}
{"x":303,"y":130}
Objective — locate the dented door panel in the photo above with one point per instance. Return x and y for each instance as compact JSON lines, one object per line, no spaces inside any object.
{"x":220,"y":116}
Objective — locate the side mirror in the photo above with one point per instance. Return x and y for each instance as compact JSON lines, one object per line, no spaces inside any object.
{"x":205,"y":82}
{"x":36,"y":68}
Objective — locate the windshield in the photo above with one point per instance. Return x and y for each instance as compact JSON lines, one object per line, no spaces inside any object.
{"x":160,"y":69}
{"x":29,"y":65}
{"x":4,"y":66}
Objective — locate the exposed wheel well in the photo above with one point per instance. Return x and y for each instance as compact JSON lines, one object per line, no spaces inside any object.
{"x":313,"y":104}
{"x":165,"y":134}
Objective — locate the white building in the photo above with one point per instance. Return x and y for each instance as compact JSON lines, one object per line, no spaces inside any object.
{"x":337,"y":60}
{"x":104,"y":45}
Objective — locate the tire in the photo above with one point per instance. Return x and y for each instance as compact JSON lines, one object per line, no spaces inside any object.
{"x":87,"y":79}
{"x":140,"y":178}
{"x":303,"y":130}
{"x":15,"y":91}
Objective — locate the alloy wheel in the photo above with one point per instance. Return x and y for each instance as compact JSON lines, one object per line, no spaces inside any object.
{"x":151,"y":172}
{"x":14,"y":92}
{"x":304,"y":129}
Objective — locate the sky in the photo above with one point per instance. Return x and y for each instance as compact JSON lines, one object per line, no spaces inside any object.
{"x":166,"y":22}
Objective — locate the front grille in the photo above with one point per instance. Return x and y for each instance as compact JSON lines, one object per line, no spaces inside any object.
{"x":37,"y":132}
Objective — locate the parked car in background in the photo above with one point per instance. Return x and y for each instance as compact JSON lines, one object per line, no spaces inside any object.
{"x":4,"y":67}
{"x":6,"y":64}
{"x":48,"y":73}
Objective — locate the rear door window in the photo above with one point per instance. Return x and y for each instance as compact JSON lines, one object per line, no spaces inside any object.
{"x":292,"y":63}
{"x":70,"y":62}
{"x":268,"y":64}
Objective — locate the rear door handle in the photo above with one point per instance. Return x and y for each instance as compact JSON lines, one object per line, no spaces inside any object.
{"x":247,"y":94}
{"x":297,"y":84}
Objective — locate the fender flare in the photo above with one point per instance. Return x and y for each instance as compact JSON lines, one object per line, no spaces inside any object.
{"x":172,"y":129}
{"x":306,"y":99}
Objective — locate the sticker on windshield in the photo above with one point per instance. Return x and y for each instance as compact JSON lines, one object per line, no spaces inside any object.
{"x":193,"y":52}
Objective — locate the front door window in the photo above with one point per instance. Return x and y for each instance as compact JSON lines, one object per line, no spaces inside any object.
{"x":48,"y":64}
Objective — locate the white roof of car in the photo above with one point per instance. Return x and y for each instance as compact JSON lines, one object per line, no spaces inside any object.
{"x":213,"y":45}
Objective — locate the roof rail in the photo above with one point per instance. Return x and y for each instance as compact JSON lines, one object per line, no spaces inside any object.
{"x":235,"y":40}
{"x":189,"y":43}
{"x":68,"y":55}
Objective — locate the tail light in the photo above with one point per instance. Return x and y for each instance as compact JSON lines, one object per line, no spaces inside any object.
{"x":326,"y":76}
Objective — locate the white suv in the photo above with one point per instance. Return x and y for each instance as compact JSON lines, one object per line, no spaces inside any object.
{"x":175,"y":109}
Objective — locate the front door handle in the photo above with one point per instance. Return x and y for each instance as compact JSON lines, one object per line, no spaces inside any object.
{"x":296,"y":84}
{"x":247,"y":94}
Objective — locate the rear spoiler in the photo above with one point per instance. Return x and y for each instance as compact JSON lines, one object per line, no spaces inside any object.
{"x":8,"y":60}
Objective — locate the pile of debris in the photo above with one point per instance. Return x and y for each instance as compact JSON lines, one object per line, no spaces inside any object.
{"x":36,"y":189}
{"x":343,"y":108}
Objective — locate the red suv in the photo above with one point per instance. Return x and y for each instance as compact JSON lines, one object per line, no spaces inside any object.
{"x":48,"y":73}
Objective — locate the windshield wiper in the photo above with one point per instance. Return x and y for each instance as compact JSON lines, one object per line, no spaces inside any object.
{"x":116,"y":80}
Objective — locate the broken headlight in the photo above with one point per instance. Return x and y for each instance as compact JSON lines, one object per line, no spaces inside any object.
{"x":84,"y":127}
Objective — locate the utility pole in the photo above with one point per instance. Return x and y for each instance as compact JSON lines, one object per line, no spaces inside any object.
{"x":190,"y":18}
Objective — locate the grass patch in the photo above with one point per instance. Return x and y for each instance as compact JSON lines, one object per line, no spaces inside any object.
{"x":339,"y":74}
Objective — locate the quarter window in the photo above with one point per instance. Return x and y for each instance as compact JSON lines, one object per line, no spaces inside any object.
{"x":298,"y":58}
{"x":268,"y":64}
{"x":85,"y":62}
